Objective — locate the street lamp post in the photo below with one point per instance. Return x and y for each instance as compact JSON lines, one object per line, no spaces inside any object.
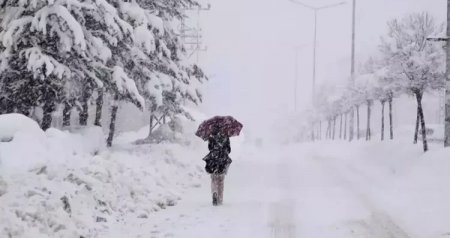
{"x":296,"y":80}
{"x":446,"y":39}
{"x":316,"y":10}
{"x":352,"y":77}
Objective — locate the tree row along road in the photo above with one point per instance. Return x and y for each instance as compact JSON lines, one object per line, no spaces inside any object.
{"x":281,"y":193}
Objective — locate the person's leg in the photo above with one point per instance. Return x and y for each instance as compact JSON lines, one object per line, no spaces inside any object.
{"x":214,"y":189}
{"x":220,"y":189}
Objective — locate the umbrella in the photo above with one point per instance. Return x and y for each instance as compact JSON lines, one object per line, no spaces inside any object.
{"x":227,"y":125}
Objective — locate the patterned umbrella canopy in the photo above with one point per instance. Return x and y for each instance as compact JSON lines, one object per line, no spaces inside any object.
{"x":226,"y":125}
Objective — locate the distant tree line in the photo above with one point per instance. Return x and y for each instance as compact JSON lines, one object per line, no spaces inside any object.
{"x":406,"y":63}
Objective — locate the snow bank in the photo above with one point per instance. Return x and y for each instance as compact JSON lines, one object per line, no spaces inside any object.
{"x":22,"y":144}
{"x":64,"y":184}
{"x":25,"y":146}
{"x":12,"y":124}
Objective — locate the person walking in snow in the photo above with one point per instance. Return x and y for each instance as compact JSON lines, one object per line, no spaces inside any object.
{"x":217,"y":163}
{"x":217,"y":131}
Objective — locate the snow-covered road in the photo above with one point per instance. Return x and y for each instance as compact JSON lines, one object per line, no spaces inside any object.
{"x":281,"y":192}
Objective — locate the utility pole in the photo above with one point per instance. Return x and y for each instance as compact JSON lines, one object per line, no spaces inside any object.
{"x":447,"y":83}
{"x":296,"y":80}
{"x":314,"y":58}
{"x":447,"y":78}
{"x":192,"y":36}
{"x":352,"y":74}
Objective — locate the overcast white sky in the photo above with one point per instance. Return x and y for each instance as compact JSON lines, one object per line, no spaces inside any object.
{"x":251,"y":50}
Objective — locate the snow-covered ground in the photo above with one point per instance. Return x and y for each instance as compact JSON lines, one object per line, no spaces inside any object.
{"x":327,"y":189}
{"x":66,"y":184}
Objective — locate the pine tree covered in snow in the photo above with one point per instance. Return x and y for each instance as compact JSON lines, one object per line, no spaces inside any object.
{"x":39,"y":44}
{"x":168,"y":79}
{"x":66,"y":52}
{"x":59,"y":49}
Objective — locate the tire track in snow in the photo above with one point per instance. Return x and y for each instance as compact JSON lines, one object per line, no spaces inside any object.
{"x":282,"y":212}
{"x":379,"y":224}
{"x":282,"y":220}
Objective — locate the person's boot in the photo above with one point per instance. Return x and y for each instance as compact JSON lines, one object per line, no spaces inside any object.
{"x":215,"y":199}
{"x":220,"y":197}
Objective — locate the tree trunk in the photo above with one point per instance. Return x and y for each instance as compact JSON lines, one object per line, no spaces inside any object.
{"x":334,"y":127}
{"x":351,"y":124}
{"x":112,"y":124}
{"x":98,"y":109}
{"x":391,"y":126}
{"x":9,"y":106}
{"x":357,"y":123}
{"x":317,"y":131}
{"x":416,"y":131}
{"x":84,"y":112}
{"x":2,"y":106}
{"x":327,"y":133}
{"x":340,"y":128}
{"x":320,"y":130}
{"x":66,"y":114}
{"x":369,"y":112}
{"x":48,"y":109}
{"x":330,"y":124}
{"x":422,"y":121}
{"x":150,"y":131}
{"x":345,"y":127}
{"x":382,"y":119}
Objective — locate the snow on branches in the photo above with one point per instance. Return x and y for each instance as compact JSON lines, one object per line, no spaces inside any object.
{"x":406,"y":63}
{"x":80,"y":48}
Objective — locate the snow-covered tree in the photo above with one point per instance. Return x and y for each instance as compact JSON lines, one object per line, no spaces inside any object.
{"x":328,"y":107}
{"x":365,"y":85}
{"x":389,"y":86}
{"x":58,"y":49}
{"x":163,"y":74}
{"x":406,"y":50}
{"x":67,"y":51}
{"x":39,"y":41}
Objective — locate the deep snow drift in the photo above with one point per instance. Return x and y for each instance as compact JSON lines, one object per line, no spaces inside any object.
{"x":66,"y":184}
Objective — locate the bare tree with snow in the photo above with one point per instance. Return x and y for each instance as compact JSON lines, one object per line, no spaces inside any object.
{"x":406,"y":50}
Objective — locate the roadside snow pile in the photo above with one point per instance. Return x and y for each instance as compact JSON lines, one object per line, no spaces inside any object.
{"x":65,"y":184}
{"x":17,"y":124}
{"x":28,"y":147}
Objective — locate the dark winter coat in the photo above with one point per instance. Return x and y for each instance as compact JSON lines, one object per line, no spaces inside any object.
{"x":218,"y":161}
